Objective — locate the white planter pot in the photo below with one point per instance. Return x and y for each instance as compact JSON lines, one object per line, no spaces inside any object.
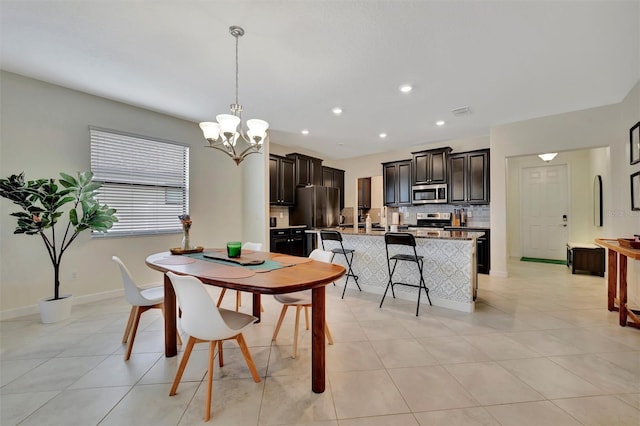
{"x":55,"y":310}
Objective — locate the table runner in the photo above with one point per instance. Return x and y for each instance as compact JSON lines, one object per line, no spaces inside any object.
{"x":268,"y":265}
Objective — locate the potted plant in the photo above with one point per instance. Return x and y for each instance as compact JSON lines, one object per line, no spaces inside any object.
{"x":43,"y":203}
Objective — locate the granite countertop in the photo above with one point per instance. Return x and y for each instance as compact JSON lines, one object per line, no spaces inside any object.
{"x":476,"y":225}
{"x":442,"y":235}
{"x":288,"y":227}
{"x":471,"y":226}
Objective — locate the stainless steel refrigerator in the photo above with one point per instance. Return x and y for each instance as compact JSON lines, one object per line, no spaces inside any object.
{"x":316,"y":207}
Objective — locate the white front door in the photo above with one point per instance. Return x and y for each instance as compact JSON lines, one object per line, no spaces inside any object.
{"x":544,"y":211}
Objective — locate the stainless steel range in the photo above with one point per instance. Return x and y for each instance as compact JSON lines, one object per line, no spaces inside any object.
{"x":431,"y":221}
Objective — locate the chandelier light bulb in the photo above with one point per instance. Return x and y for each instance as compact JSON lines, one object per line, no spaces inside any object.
{"x":406,"y":88}
{"x":337,"y":110}
{"x":228,"y":123}
{"x":211,"y":130}
{"x":257,"y":130}
{"x":440,"y":123}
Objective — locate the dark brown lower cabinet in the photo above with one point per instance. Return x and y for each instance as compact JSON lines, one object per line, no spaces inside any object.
{"x":483,"y":248}
{"x":586,"y":259}
{"x":483,"y":252}
{"x":290,"y":241}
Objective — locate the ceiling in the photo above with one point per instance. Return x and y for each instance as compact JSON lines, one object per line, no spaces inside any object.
{"x":507,"y":61}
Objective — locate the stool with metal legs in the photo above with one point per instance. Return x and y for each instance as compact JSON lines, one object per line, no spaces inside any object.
{"x":347,"y":253}
{"x":404,"y":239}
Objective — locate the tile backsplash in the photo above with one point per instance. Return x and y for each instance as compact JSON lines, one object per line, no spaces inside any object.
{"x":477,"y":215}
{"x":348,"y":214}
{"x":351,"y":215}
{"x":480,"y":215}
{"x":281,"y":214}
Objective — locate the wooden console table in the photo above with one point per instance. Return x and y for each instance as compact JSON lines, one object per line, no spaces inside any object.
{"x":615,"y":253}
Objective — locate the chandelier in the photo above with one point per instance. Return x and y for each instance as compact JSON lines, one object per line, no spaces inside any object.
{"x":227,"y":134}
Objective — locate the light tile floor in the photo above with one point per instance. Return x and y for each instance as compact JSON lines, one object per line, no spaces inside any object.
{"x":541,"y":349}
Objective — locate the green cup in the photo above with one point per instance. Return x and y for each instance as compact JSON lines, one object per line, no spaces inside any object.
{"x":234,"y":248}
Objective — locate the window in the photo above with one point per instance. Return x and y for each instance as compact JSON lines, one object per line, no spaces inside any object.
{"x":145,"y":179}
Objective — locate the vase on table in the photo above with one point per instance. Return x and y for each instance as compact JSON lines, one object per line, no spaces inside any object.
{"x":186,"y":244}
{"x":185,"y":220}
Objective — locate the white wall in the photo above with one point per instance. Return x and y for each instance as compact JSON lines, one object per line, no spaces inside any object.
{"x":43,"y":131}
{"x":255,"y":190}
{"x":599,"y":165}
{"x":606,"y":126}
{"x":377,"y":190}
{"x":625,"y":222}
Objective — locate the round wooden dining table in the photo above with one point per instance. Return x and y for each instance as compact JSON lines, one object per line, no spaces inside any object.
{"x":278,"y":274}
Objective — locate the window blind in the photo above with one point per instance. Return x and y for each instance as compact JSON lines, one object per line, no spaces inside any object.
{"x":145,"y":179}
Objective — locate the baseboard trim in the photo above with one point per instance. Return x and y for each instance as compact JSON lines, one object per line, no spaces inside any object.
{"x":77,"y":300}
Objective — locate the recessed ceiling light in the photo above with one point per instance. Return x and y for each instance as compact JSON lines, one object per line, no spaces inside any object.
{"x":305,"y":132}
{"x":382,"y":135}
{"x":337,"y":110}
{"x":440,"y":123}
{"x":405,"y":88}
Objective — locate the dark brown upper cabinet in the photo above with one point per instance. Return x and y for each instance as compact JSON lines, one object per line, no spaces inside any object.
{"x":282,"y":188}
{"x":430,"y":167}
{"x":308,"y":169}
{"x":364,"y":193}
{"x":469,"y":177}
{"x":396,"y":180}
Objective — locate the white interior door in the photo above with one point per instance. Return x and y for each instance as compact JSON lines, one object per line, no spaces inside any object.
{"x":544,"y":212}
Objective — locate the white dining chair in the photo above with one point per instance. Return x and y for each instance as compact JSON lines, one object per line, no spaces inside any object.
{"x":245,"y":246}
{"x":300,"y":300}
{"x":141,"y":300}
{"x":204,"y":322}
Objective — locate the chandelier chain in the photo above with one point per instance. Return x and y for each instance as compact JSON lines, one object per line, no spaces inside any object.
{"x":237,"y":36}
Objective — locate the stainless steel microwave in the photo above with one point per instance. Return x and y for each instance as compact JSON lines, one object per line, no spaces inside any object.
{"x":429,"y":194}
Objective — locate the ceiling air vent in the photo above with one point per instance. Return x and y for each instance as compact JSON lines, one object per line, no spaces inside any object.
{"x":464,"y":110}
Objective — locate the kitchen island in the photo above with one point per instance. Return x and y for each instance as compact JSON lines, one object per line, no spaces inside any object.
{"x":449,"y":264}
